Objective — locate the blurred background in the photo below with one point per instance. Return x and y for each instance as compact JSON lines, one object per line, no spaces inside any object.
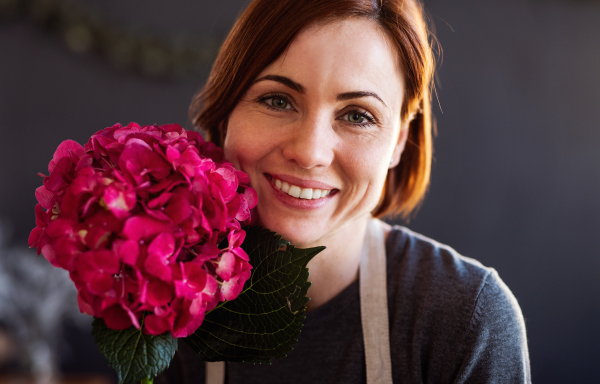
{"x":515,"y":183}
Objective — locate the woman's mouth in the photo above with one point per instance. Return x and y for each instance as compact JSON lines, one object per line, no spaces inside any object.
{"x":298,"y":192}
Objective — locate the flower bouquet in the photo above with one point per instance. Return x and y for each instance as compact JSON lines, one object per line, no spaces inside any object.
{"x":152,"y":225}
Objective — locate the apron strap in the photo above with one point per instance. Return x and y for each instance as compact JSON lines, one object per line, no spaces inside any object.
{"x":373,"y":311}
{"x":215,"y":372}
{"x":374,"y":305}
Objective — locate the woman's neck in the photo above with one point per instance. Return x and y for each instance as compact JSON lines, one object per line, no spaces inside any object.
{"x":335,"y":268}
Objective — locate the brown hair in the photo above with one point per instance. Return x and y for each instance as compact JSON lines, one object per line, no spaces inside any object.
{"x":265,"y":30}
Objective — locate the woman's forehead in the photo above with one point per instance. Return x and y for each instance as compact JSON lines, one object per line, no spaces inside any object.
{"x":340,"y":56}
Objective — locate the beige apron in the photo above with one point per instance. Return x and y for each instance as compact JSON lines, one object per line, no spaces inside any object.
{"x":373,"y":311}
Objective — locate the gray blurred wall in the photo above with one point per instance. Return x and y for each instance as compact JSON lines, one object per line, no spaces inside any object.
{"x":516,"y":178}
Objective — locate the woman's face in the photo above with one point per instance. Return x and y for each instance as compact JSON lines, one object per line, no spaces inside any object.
{"x":317,"y":129}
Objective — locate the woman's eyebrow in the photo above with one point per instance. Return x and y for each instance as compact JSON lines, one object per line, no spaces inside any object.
{"x":300,"y":88}
{"x":358,"y":95}
{"x":283,"y":80}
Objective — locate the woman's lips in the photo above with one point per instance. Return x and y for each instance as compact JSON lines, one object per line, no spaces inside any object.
{"x":300,"y":193}
{"x":301,"y":183}
{"x":300,"y":196}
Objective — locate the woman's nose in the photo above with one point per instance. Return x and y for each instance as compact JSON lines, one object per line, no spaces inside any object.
{"x":310,"y":143}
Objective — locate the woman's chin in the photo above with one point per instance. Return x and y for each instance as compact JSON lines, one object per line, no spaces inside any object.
{"x":298,"y":232}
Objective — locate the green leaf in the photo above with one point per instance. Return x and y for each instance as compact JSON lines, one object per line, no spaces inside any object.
{"x":265,"y":320}
{"x":133,"y":354}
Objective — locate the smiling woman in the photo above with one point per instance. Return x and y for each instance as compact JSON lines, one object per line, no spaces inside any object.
{"x":311,"y":120}
{"x":324,"y":127}
{"x":325,"y":105}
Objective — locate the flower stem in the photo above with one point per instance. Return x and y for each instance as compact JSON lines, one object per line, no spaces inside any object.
{"x":147,"y":380}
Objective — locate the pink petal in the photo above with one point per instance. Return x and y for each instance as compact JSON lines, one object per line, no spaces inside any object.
{"x":86,"y":161}
{"x":136,"y":141}
{"x":97,"y":237}
{"x":234,"y":206}
{"x":45,"y":197}
{"x":101,"y":284}
{"x":226,"y":265}
{"x":209,"y":250}
{"x":119,"y":201}
{"x":193,"y":136}
{"x":50,"y":254}
{"x":186,"y":322}
{"x":139,"y":159}
{"x":104,"y":219}
{"x":175,"y":128}
{"x":34,"y":238}
{"x":210,"y":150}
{"x":143,"y":227}
{"x":122,"y":133}
{"x":195,"y":280}
{"x":251,"y":197}
{"x":230,"y":182}
{"x":157,"y":214}
{"x":163,"y":245}
{"x":42,"y":217}
{"x":190,"y":326}
{"x":84,"y":306}
{"x":240,"y":253}
{"x":105,"y":261}
{"x":215,"y":212}
{"x":232,"y":288}
{"x":155,"y":325}
{"x":179,"y":208}
{"x":66,"y":252}
{"x":236,"y":238}
{"x":133,"y":316}
{"x":159,"y":255}
{"x":68,"y":148}
{"x":172,"y":155}
{"x":242,"y":177}
{"x":159,"y":293}
{"x":61,"y":227}
{"x":188,"y":162}
{"x":56,"y":181}
{"x":127,"y":250}
{"x":116,"y":318}
{"x":160,"y":200}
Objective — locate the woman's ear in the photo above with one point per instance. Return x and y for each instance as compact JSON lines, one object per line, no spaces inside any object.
{"x":395,"y":160}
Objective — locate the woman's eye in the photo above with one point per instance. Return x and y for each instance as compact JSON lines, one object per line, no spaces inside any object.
{"x":276,"y":102}
{"x":359,"y":118}
{"x":356,"y":118}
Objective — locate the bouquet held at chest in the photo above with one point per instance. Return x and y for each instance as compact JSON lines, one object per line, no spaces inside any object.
{"x":153,"y":225}
{"x":137,"y":216}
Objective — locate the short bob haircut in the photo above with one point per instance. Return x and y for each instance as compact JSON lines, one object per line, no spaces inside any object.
{"x":264,"y":31}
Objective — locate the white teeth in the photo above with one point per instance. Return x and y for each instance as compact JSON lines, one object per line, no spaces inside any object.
{"x":294,"y":191}
{"x":301,"y":193}
{"x":306,"y":193}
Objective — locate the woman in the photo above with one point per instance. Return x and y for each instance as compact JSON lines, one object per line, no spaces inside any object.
{"x":326,"y":105}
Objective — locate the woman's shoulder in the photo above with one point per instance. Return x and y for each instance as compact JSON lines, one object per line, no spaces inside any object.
{"x":454,"y":308}
{"x":424,"y":270}
{"x":425,"y":258}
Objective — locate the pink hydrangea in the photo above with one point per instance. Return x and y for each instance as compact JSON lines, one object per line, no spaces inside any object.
{"x":147,"y":220}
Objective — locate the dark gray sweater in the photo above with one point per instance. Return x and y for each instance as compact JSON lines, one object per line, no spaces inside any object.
{"x":452,"y":320}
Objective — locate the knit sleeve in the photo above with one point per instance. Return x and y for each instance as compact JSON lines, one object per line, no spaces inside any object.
{"x":495,"y":339}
